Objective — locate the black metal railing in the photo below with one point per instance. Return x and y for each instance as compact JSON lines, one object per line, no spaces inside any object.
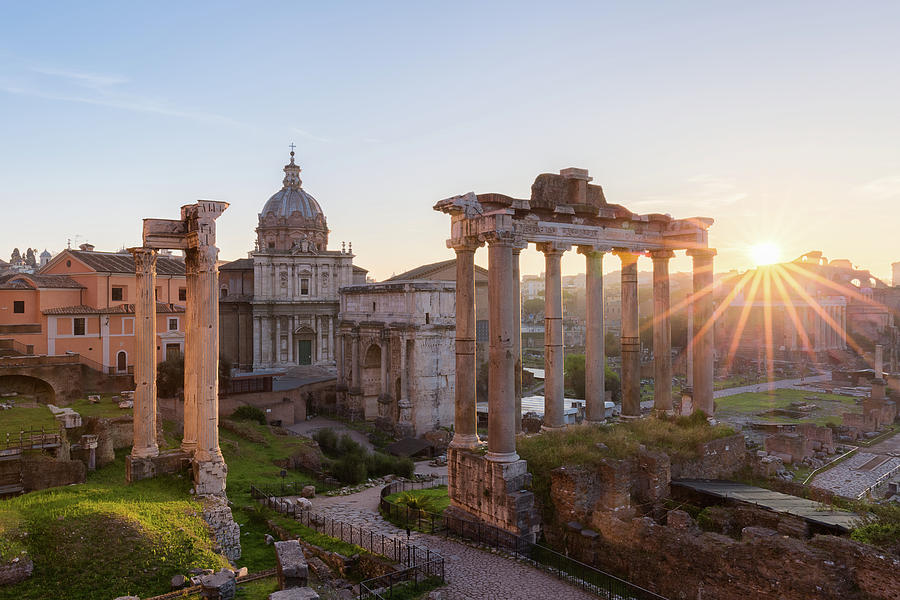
{"x":31,"y":439}
{"x":578,"y":574}
{"x":400,"y":551}
{"x":418,"y":577}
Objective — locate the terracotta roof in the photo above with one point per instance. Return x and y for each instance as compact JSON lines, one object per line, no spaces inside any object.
{"x":424,"y":271}
{"x":114,"y":262}
{"x":21,"y":281}
{"x":237,"y":265}
{"x":121,"y":309}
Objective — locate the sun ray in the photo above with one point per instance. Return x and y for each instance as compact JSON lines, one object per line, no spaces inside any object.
{"x":742,"y":320}
{"x":792,"y":313}
{"x":767,"y":327}
{"x":811,"y":302}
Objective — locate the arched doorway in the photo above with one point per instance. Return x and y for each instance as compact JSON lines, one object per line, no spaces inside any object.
{"x":305,"y":345}
{"x":121,"y":362}
{"x":28,"y":388}
{"x":371,"y":380}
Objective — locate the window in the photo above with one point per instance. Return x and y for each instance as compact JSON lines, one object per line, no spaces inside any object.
{"x":158,"y":291}
{"x":173,"y":324}
{"x":373,"y":307}
{"x":271,"y":245}
{"x":18,"y":306}
{"x":224,"y":292}
{"x":78,"y":326}
{"x":427,"y":318}
{"x":304,"y":286}
{"x":182,"y":294}
{"x":117,"y":294}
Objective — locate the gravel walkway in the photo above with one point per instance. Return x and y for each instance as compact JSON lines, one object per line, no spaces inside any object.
{"x":471,"y":573}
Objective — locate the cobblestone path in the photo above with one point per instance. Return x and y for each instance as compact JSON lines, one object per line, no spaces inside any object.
{"x":861,"y":471}
{"x":471,"y":573}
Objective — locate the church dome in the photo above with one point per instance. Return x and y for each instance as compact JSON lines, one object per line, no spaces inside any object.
{"x":292,"y":220}
{"x":291,"y":197}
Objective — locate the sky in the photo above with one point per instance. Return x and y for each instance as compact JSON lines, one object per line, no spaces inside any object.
{"x":778,"y":120}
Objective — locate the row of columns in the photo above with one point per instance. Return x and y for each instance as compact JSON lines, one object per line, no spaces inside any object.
{"x":504,"y":396}
{"x":201,"y":433}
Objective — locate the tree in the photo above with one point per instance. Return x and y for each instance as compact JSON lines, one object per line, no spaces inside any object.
{"x":534,"y":306}
{"x":170,"y":376}
{"x":15,"y":258}
{"x":29,"y":258}
{"x":574,"y":369}
{"x":612,"y":345}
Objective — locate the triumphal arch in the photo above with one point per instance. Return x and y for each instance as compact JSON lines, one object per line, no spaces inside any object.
{"x":564,"y":212}
{"x":195,"y":234}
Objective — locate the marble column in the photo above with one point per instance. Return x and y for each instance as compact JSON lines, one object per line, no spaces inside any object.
{"x":191,"y":352}
{"x":517,"y":334}
{"x":554,"y":357}
{"x":257,"y":343}
{"x":207,"y":329}
{"x":278,"y":355}
{"x":631,"y":340}
{"x":502,"y":392}
{"x":145,"y":354}
{"x":702,"y":308}
{"x":341,"y":374}
{"x":355,"y":408}
{"x":465,"y":433}
{"x":662,"y":332}
{"x":385,"y":384}
{"x":594,"y":348}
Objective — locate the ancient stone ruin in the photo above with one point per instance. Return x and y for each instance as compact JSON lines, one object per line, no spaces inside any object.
{"x":564,"y":211}
{"x":195,"y":234}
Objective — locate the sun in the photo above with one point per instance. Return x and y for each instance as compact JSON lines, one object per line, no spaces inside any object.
{"x":764,"y":253}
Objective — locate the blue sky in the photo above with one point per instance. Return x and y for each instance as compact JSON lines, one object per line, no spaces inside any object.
{"x":777,"y":119}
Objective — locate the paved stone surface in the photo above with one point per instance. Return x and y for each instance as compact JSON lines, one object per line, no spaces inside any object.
{"x":762,"y":387}
{"x":471,"y":573}
{"x":854,"y":476}
{"x":308,"y":428}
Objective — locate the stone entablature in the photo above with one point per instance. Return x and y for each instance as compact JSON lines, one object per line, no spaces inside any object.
{"x":565,"y":211}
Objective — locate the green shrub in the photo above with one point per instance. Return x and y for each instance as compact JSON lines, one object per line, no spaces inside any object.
{"x":249,"y":413}
{"x":347,"y":445}
{"x":880,"y":526}
{"x":327,"y":440}
{"x":349,"y":469}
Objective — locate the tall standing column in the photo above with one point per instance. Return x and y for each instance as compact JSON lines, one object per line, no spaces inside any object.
{"x":465,"y":418}
{"x":631,"y":340}
{"x":517,"y":334}
{"x":341,"y":374}
{"x":554,"y":384}
{"x":355,"y":380}
{"x":145,"y":354}
{"x":278,"y":356}
{"x":662,"y":332}
{"x":702,"y":334}
{"x":191,"y":352}
{"x":385,"y":384}
{"x":502,"y":392}
{"x":594,"y":350}
{"x":206,"y":329}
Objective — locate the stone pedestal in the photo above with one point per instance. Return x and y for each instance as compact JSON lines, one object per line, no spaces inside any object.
{"x":292,"y":568}
{"x":492,"y":492}
{"x":209,"y":476}
{"x":218,"y":586}
{"x":137,"y":468}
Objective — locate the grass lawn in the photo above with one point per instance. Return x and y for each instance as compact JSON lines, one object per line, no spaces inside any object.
{"x":105,"y":408}
{"x":21,"y":418}
{"x":106,"y":536}
{"x":751,"y":405}
{"x":429,"y":501}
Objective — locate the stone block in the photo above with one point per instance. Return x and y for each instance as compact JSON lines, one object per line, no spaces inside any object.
{"x":293,"y":570}
{"x":297,"y":593}
{"x":19,"y":569}
{"x":225,"y":530}
{"x":218,"y":586}
{"x":308,"y":491}
{"x":678,"y":519}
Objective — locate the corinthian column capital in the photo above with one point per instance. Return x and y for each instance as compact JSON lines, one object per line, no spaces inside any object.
{"x":144,"y":259}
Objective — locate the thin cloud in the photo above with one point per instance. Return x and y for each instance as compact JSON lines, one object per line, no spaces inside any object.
{"x":700,"y":191}
{"x":883,"y":188}
{"x":309,"y":136}
{"x":97,"y":89}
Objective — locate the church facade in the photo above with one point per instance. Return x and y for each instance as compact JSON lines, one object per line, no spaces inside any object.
{"x":279,"y":307}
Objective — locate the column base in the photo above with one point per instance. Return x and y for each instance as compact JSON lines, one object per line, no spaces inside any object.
{"x":209,"y":476}
{"x":188,"y":447}
{"x":466,"y":441}
{"x":552,"y":427}
{"x":629,"y":417}
{"x":502,"y":457}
